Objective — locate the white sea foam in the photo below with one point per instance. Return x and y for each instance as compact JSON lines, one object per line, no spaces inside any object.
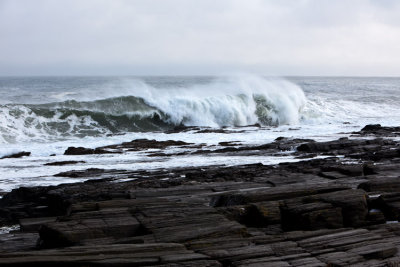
{"x":236,"y":101}
{"x":231,"y":101}
{"x":326,"y":111}
{"x":228,"y":101}
{"x":19,"y":123}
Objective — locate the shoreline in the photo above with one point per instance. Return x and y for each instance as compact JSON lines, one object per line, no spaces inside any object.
{"x":331,"y":208}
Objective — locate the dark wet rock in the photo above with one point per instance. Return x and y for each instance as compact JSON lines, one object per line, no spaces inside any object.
{"x":352,"y":202}
{"x":260,"y":214}
{"x":84,"y":151}
{"x":251,"y":125}
{"x":328,"y":211}
{"x":376,"y":251}
{"x":378,"y":149}
{"x":265,"y":213}
{"x":182,"y":128}
{"x":345,"y":169}
{"x":17,"y":155}
{"x":143,"y":144}
{"x":371,"y":128}
{"x":71,"y":230}
{"x":381,"y":184}
{"x":333,"y":175}
{"x":62,"y":163}
{"x":34,"y":224}
{"x":271,"y":194}
{"x":85,"y":173}
{"x":379,"y":155}
{"x":307,"y":156}
{"x":378,"y":130}
{"x":26,"y":202}
{"x":115,"y":134}
{"x":389,"y":204}
{"x":279,"y":145}
{"x":111,"y":255}
{"x":231,"y":143}
{"x":221,"y":130}
{"x":18,"y":242}
{"x":376,"y":216}
{"x":342,"y":143}
{"x":239,"y":213}
{"x":311,"y":216}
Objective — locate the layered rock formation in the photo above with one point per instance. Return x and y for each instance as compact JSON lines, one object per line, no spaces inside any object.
{"x":339,"y":207}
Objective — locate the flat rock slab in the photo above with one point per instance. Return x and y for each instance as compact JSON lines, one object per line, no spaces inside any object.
{"x":110,"y":255}
{"x":33,"y":224}
{"x":70,"y":231}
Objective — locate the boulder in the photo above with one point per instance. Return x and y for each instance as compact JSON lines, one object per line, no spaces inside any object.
{"x":371,"y":127}
{"x":353,"y":203}
{"x":310,"y":216}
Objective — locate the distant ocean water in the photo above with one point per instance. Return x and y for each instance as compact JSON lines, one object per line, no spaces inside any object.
{"x":45,"y":115}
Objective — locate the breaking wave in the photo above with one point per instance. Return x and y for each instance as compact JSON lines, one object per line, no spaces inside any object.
{"x":238,"y":101}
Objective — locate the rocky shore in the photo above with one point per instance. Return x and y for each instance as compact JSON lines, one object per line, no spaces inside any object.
{"x":338,"y":205}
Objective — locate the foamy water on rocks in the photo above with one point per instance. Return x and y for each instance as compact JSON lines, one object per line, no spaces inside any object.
{"x":46,"y":115}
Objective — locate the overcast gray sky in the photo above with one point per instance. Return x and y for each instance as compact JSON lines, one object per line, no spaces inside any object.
{"x":139,"y":37}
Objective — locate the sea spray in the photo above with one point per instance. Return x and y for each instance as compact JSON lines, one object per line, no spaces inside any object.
{"x":229,"y":101}
{"x":232,"y":101}
{"x":46,"y":115}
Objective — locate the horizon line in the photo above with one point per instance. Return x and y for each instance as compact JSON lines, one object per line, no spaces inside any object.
{"x":192,"y":75}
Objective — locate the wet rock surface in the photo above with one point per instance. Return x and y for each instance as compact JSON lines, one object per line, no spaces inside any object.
{"x":134,"y":145}
{"x":66,"y":162}
{"x":328,"y":211}
{"x":17,"y":155}
{"x":378,"y":130}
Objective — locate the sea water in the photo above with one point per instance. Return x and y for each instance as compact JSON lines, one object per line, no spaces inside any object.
{"x":45,"y":115}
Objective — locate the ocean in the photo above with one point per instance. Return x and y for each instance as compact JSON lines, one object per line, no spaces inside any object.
{"x":46,"y":115}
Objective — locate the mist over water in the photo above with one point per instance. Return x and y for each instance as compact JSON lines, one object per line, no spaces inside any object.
{"x":131,"y":105}
{"x":59,"y":108}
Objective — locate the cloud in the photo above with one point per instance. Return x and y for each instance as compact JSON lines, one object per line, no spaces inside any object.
{"x":316,"y":37}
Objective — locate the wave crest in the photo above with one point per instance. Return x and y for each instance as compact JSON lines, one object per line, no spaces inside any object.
{"x":238,"y":101}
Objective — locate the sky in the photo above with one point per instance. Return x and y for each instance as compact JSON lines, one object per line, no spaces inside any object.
{"x":200,"y":37}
